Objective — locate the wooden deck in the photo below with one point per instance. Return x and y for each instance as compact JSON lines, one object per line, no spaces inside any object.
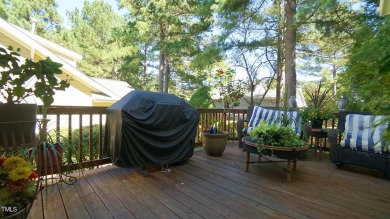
{"x":218,"y":187}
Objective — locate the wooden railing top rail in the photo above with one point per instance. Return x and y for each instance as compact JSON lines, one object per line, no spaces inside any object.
{"x":75,"y":110}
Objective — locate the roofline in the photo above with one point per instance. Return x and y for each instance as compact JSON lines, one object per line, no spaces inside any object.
{"x":49,"y":44}
{"x":41,"y":51}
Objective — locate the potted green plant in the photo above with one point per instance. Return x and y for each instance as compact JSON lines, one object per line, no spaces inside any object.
{"x":278,"y":141}
{"x":275,"y":135}
{"x":316,"y":116}
{"x":215,"y":138}
{"x":274,"y":140}
{"x":15,"y":74}
{"x":319,"y":104}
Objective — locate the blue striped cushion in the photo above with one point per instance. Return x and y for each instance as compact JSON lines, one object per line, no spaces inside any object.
{"x":359,"y":132}
{"x":379,"y":142}
{"x":273,"y":117}
{"x":259,"y":114}
{"x":295,"y":122}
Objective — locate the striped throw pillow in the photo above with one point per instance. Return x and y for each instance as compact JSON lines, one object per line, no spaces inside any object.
{"x":359,"y":132}
{"x":273,"y":117}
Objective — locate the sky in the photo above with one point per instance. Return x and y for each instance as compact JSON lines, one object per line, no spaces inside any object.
{"x":71,"y":5}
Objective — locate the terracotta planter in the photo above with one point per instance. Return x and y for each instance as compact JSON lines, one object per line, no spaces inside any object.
{"x":215,"y":144}
{"x":50,"y":160}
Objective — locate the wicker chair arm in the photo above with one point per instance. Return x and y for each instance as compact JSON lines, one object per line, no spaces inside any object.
{"x":240,"y":126}
{"x":306,"y":131}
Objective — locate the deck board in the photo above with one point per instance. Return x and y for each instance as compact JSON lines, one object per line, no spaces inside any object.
{"x":219,"y":187}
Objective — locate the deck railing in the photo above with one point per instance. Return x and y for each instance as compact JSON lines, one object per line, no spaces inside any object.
{"x":82,"y":128}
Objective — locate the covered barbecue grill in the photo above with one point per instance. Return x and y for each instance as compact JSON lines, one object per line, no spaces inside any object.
{"x":146,"y":128}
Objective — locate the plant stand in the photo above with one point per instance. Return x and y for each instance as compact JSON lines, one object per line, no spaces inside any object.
{"x":51,"y":165}
{"x":288,"y":154}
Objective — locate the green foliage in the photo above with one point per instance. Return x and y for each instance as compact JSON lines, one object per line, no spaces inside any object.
{"x":318,"y":95}
{"x":170,"y":32}
{"x":275,"y":135}
{"x":94,"y":33}
{"x":75,"y":152}
{"x":201,"y":99}
{"x":230,"y":91}
{"x":15,"y":74}
{"x":367,"y":79}
{"x":309,"y":114}
{"x":20,"y":12}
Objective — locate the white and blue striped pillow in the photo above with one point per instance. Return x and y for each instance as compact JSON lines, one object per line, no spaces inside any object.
{"x":295,"y":122}
{"x":359,"y":132}
{"x":273,"y":117}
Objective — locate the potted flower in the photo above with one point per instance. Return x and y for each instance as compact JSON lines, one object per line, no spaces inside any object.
{"x":18,"y":187}
{"x":230,"y":92}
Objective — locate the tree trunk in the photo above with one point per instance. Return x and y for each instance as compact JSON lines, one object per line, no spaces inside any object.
{"x":290,"y":42}
{"x":167,"y":74}
{"x":145,"y":68}
{"x":161,"y":72}
{"x":334,"y":74}
{"x":161,"y":62}
{"x":280,"y":52}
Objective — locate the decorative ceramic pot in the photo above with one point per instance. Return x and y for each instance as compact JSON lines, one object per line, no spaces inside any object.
{"x":215,"y":144}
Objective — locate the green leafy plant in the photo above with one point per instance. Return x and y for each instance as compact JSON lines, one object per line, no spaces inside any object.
{"x":317,"y":95}
{"x":310,"y":113}
{"x":15,"y":73}
{"x":319,"y":102}
{"x":201,"y":99}
{"x":275,"y":135}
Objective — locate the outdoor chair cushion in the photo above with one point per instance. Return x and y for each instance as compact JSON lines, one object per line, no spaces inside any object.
{"x":363,"y":133}
{"x":380,"y":143}
{"x":273,"y":117}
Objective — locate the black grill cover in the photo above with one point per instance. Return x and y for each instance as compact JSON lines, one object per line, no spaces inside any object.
{"x":146,"y":128}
